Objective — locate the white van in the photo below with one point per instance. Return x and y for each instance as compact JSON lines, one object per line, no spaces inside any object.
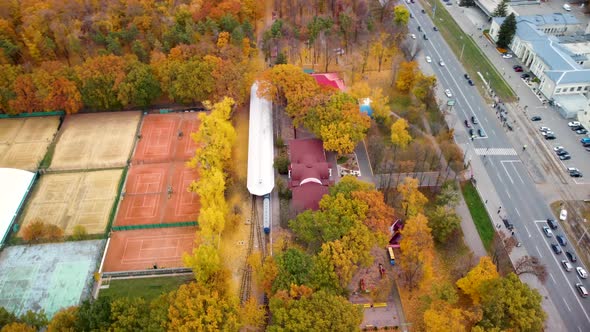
{"x":567,"y":7}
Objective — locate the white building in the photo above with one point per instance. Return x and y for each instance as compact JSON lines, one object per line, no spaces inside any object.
{"x":562,"y":72}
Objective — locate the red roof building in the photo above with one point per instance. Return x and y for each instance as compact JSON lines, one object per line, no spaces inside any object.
{"x":331,"y":80}
{"x":309,"y":173}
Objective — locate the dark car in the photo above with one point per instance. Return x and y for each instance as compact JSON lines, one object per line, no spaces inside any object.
{"x":466,"y":76}
{"x":566,"y":156}
{"x":556,"y":248}
{"x":562,"y":240}
{"x":419,"y":28}
{"x":470,"y":132}
{"x":561,"y":152}
{"x":574,"y":128}
{"x":470,"y":82}
{"x":525,"y":75}
{"x":516,"y":66}
{"x":550,"y":136}
{"x":480,"y":132}
{"x":536,"y":118}
{"x":423,"y":11}
{"x":508,"y":224}
{"x":435,"y":28}
{"x":425,"y":38}
{"x":518,"y":69}
{"x":467,"y":124}
{"x":570,"y":255}
{"x":552,"y":223}
{"x":575,"y":174}
{"x":581,"y":131}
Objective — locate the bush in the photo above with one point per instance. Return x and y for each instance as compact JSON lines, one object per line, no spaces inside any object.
{"x":37,"y":231}
{"x":282,"y":163}
{"x":79,"y":232}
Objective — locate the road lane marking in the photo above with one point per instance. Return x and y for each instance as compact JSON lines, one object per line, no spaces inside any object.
{"x":555,"y":282}
{"x":505,"y":170}
{"x":539,"y":252}
{"x":568,"y":307}
{"x":517,"y":172}
{"x":516,"y":209}
{"x":507,"y":193}
{"x":527,"y":230}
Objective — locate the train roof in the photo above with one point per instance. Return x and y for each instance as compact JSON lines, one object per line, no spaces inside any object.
{"x":261,"y":175}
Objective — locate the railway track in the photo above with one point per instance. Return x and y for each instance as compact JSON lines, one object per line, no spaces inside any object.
{"x":256,"y":240}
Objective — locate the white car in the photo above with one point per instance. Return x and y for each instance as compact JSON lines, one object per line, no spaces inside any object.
{"x":428,"y":59}
{"x":549,"y":132}
{"x":413,"y":36}
{"x":557,"y":148}
{"x":567,"y":7}
{"x":507,"y":56}
{"x":563,"y":215}
{"x":581,"y":272}
{"x":574,"y":124}
{"x":566,"y":265}
{"x":547,"y":231}
{"x":448,"y":93}
{"x":441,"y":63}
{"x":543,"y":128}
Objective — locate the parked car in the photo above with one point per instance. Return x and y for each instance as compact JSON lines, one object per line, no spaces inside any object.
{"x":581,"y":272}
{"x":516,"y":66}
{"x":585,"y":140}
{"x":552,"y":223}
{"x":480,"y":132}
{"x":424,"y":36}
{"x":582,"y":131}
{"x":467,"y":124}
{"x":557,"y":148}
{"x":466,"y":76}
{"x":470,"y":132}
{"x":566,"y":265}
{"x":574,"y":123}
{"x":507,"y":56}
{"x":508,"y":224}
{"x":525,"y":76}
{"x":441,"y":63}
{"x":570,"y":255}
{"x":574,"y":128}
{"x":563,"y":215}
{"x":536,"y":118}
{"x":518,"y":70}
{"x":448,"y":93}
{"x":561,"y":152}
{"x":581,"y":288}
{"x":562,"y":240}
{"x":423,"y":11}
{"x":566,"y":156}
{"x":413,"y":36}
{"x":556,"y":248}
{"x":428,"y":59}
{"x":474,"y":120}
{"x":434,"y":28}
{"x":547,"y":231}
{"x":470,"y":82}
{"x":545,"y":133}
{"x":544,"y":129}
{"x":576,"y":174}
{"x":550,"y":136}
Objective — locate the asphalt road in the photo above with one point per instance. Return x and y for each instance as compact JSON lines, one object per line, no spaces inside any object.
{"x":521,"y":201}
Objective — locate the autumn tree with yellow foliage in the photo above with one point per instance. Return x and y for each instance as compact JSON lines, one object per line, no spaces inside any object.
{"x":400,"y":137}
{"x":471,"y":283}
{"x":413,"y":201}
{"x":407,"y":76}
{"x":416,"y":251}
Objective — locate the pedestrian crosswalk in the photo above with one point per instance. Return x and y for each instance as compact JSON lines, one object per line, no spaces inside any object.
{"x":495,"y":152}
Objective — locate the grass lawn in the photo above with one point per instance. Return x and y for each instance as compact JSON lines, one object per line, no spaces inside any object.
{"x":473,"y":59}
{"x":148,"y":288}
{"x":480,"y":216}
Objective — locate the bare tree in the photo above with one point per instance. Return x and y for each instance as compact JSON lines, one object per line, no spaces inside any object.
{"x":531,"y":265}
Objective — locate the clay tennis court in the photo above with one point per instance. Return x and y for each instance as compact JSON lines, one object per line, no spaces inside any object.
{"x":24,"y":142}
{"x":70,"y":199}
{"x":142,"y":249}
{"x":166,"y":137}
{"x":91,"y":141}
{"x":146,"y":199}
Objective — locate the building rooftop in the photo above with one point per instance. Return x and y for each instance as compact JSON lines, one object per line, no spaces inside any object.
{"x":261,"y":174}
{"x":15,"y":187}
{"x":309,"y":172}
{"x":331,"y":80}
